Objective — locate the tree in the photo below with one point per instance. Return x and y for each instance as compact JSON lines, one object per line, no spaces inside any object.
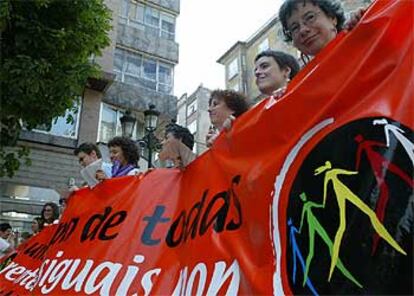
{"x":46,"y":47}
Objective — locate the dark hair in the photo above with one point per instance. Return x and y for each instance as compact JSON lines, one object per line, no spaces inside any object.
{"x":5,"y":226}
{"x":55,"y":210}
{"x":128,"y":147}
{"x":25,"y":235}
{"x":87,"y":148}
{"x":331,"y":8}
{"x":234,"y":101}
{"x":181,"y":133}
{"x":39,"y":221}
{"x":284,"y":60}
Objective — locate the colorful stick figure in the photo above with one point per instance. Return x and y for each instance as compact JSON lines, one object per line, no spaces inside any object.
{"x":399,"y":135}
{"x":297,"y":254}
{"x":315,"y":226}
{"x":380,"y":166}
{"x":343,"y":195}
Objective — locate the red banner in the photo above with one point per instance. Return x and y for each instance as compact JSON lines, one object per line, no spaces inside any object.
{"x":311,"y":195}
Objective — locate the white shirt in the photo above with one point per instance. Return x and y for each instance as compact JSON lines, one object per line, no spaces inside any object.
{"x":4,"y":245}
{"x":133,"y":172}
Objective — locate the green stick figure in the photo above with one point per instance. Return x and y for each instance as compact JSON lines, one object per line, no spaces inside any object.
{"x":315,"y":226}
{"x":344,"y":194}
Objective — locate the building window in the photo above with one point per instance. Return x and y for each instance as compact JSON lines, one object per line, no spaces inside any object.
{"x":63,"y":126}
{"x":191,"y":108}
{"x":235,"y":87}
{"x":147,"y":19}
{"x":192,"y":127}
{"x":110,"y":124}
{"x":135,"y":69}
{"x":164,"y":78}
{"x":264,"y":45}
{"x":233,"y":69}
{"x":167,"y":26}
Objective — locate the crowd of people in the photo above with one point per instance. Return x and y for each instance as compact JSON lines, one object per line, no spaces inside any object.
{"x":10,"y":239}
{"x":309,"y":25}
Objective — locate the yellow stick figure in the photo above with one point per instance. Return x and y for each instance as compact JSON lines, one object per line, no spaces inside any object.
{"x":344,"y":194}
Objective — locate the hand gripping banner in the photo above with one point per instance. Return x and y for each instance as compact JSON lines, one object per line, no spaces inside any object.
{"x":309,"y":195}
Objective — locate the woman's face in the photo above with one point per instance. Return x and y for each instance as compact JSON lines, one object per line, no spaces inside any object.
{"x":269,"y":76}
{"x":219,"y":112}
{"x":311,"y":28}
{"x":116,"y":153}
{"x":35,"y":226}
{"x":48,"y":213}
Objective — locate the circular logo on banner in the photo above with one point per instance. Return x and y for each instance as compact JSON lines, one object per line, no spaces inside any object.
{"x":350,"y":216}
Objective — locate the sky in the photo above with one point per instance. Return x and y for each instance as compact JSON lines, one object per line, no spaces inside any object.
{"x":206,"y":29}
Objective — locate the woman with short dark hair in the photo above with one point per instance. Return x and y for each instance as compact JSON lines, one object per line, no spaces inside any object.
{"x":224,"y":105}
{"x":273,"y":70}
{"x":311,"y":24}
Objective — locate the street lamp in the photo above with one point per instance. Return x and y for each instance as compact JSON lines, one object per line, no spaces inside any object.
{"x":128,"y":124}
{"x":151,"y":120}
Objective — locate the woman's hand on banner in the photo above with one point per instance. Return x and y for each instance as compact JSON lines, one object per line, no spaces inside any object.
{"x":211,"y":136}
{"x":100,"y":175}
{"x":354,"y":18}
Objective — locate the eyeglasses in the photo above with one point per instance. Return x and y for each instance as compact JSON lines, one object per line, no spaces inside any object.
{"x":308,"y":19}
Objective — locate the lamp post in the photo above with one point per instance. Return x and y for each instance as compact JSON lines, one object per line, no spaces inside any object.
{"x":151,"y":120}
{"x":127,"y":124}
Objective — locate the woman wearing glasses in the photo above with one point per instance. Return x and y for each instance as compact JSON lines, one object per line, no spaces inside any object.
{"x":312,"y":24}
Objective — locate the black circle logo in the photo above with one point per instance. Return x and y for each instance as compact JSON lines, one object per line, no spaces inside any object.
{"x":350,"y":216}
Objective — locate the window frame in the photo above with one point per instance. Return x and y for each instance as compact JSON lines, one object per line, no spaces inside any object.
{"x":192,"y":108}
{"x":158,"y":64}
{"x":76,"y":126}
{"x":143,"y":24}
{"x":189,"y":126}
{"x":230,"y":68}
{"x":138,"y":129}
{"x":264,"y":45}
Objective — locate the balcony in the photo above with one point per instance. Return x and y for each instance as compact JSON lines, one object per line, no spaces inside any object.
{"x":138,"y":97}
{"x":147,"y":39}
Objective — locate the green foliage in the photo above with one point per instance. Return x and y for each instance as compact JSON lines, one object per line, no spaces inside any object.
{"x":46,"y":47}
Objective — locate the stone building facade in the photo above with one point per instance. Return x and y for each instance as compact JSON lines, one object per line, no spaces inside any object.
{"x":138,"y":70}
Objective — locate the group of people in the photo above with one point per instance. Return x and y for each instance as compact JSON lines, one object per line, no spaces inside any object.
{"x":10,"y":239}
{"x":124,"y":153}
{"x":310,"y":25}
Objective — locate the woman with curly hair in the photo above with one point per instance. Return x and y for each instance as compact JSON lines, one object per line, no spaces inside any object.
{"x":124,"y":156}
{"x":224,"y":105}
{"x":312,"y":24}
